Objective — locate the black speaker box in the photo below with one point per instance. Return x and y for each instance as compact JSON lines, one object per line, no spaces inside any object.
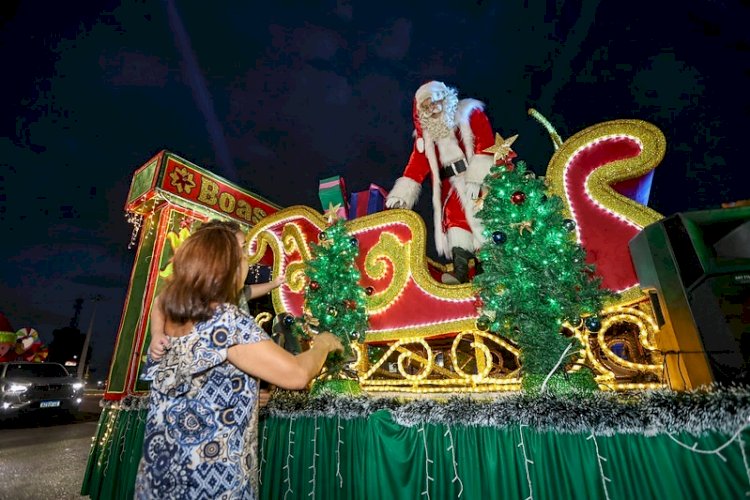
{"x":696,"y":268}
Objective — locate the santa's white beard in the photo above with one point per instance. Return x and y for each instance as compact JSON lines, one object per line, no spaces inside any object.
{"x":440,"y":127}
{"x":443,"y":124}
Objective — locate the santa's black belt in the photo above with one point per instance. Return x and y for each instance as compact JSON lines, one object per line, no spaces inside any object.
{"x":454,"y":168}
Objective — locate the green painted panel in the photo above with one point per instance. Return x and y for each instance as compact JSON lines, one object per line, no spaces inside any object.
{"x":142,"y":181}
{"x":133,"y":311}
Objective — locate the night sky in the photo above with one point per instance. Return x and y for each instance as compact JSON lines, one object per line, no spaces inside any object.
{"x":277,"y":100}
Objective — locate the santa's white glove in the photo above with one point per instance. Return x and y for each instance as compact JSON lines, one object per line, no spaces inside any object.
{"x":395,"y":202}
{"x":473,"y":189}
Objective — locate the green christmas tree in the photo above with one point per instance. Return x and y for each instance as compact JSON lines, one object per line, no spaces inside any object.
{"x":534,"y":277}
{"x":334,"y":297}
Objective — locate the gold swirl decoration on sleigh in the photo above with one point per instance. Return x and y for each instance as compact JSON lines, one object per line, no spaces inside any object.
{"x":623,"y":353}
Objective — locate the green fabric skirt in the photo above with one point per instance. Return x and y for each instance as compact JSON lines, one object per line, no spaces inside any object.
{"x":375,"y":458}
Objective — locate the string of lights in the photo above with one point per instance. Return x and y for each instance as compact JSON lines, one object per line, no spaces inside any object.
{"x":526,"y":463}
{"x":314,"y":459}
{"x":427,"y":463}
{"x":452,"y":449}
{"x":599,"y":460}
{"x":289,"y":457}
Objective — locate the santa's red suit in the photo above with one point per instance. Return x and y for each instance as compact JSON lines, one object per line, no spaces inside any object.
{"x":453,"y":196}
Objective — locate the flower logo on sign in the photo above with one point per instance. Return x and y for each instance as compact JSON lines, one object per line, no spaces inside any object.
{"x":182,"y":180}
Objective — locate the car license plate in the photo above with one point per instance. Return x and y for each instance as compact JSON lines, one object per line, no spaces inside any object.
{"x":49,"y":404}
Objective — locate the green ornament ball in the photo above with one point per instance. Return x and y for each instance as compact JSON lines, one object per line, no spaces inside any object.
{"x":483,"y":323}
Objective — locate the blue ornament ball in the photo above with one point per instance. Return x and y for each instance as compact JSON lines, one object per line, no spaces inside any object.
{"x":499,"y":237}
{"x":288,"y":320}
{"x":354,"y":242}
{"x":593,"y":324}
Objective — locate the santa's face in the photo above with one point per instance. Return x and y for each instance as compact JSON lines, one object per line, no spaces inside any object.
{"x":432,"y":108}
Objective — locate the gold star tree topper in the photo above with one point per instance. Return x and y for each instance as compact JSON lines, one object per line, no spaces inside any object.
{"x":501,"y":148}
{"x":332,"y":214}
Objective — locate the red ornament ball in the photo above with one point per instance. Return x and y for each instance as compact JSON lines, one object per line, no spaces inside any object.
{"x":369,"y":290}
{"x":314,"y":285}
{"x":518,"y":197}
{"x":350,"y":304}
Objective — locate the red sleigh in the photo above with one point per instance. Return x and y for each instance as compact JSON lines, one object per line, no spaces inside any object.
{"x":422,"y":334}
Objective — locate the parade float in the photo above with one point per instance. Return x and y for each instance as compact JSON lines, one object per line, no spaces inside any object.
{"x":441,"y":409}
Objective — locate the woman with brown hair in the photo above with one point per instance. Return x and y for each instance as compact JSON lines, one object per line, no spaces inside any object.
{"x":201,"y":432}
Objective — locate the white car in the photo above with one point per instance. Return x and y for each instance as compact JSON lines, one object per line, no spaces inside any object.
{"x":45,"y":387}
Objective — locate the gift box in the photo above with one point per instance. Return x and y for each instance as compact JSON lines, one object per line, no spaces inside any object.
{"x":332,"y":191}
{"x":367,"y":202}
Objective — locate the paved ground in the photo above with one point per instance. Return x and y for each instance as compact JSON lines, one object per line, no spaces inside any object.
{"x":45,"y":457}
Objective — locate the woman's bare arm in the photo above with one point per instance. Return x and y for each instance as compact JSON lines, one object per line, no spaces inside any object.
{"x":254,"y":291}
{"x":268,"y":361}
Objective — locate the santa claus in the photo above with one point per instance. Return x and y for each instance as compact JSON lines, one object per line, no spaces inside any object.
{"x":450,"y":137}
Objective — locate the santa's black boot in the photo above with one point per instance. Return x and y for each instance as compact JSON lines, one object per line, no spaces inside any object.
{"x":461,"y":258}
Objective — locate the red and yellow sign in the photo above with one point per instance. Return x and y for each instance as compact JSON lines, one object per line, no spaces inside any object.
{"x":167,"y":177}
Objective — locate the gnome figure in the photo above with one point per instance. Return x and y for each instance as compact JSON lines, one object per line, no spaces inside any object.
{"x":450,"y":137}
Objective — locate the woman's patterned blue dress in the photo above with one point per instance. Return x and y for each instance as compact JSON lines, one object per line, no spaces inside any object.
{"x":201,"y":434}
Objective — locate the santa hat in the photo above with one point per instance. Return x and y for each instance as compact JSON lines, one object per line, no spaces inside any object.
{"x":431,"y":90}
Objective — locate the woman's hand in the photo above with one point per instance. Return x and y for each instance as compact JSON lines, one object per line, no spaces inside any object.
{"x":278,"y":281}
{"x":264,"y":395}
{"x":328,"y":341}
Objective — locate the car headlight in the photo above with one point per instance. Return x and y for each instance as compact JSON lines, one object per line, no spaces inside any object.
{"x":78,"y":386}
{"x":16,"y":388}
